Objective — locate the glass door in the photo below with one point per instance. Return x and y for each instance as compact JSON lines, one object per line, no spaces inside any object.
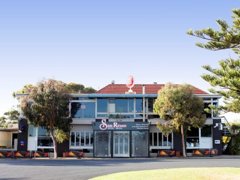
{"x":121,"y":144}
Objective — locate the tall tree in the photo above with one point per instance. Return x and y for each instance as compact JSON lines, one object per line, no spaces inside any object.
{"x":74,"y":87}
{"x":79,"y":88}
{"x":46,"y":105}
{"x":70,"y":88}
{"x":180,"y":109}
{"x":9,"y":117}
{"x":13,"y":114}
{"x":3,"y":122}
{"x":225,"y":78}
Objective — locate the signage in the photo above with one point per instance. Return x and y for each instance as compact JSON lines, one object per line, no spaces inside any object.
{"x":130,"y":84}
{"x":22,"y":143}
{"x":217,"y":142}
{"x":104,"y":125}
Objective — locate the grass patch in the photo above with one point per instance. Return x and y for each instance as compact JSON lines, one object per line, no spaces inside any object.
{"x":178,"y":173}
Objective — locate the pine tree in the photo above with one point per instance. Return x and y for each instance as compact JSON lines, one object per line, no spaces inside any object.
{"x":225,"y":78}
{"x":227,"y":37}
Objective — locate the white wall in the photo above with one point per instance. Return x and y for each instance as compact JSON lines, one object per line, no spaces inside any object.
{"x":6,"y":139}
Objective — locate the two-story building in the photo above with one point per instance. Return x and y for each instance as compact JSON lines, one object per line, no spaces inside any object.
{"x":117,"y":123}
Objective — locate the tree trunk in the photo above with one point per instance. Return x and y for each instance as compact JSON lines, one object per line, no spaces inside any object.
{"x":183,"y":141}
{"x":54,"y":144}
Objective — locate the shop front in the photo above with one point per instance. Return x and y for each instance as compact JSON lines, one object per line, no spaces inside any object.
{"x":121,"y":139}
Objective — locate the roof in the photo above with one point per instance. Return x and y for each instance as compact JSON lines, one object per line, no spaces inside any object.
{"x":149,"y":89}
{"x":8,"y":129}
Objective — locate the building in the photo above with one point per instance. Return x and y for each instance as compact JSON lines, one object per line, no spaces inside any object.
{"x":116,"y":122}
{"x":8,"y":137}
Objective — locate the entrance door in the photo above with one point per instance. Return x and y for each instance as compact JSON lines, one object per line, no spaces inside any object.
{"x":121,"y":144}
{"x":14,"y":140}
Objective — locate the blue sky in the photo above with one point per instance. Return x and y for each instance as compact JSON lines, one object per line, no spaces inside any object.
{"x":94,"y":42}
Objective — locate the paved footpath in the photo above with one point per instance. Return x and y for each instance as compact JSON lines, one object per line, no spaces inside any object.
{"x":81,"y":169}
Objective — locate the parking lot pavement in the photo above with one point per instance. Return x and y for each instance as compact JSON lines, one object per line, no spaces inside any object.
{"x":86,"y":168}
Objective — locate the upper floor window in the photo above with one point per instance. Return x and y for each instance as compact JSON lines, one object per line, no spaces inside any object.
{"x":83,"y":109}
{"x":215,"y":113}
{"x":206,"y":131}
{"x":102,"y":105}
{"x":119,"y":105}
{"x":206,"y":106}
{"x":124,"y":105}
{"x":139,"y":105}
{"x":31,"y":130}
{"x":150,"y":104}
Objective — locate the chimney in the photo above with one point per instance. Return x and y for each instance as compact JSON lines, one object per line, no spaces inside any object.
{"x":113,"y":82}
{"x":154,"y":82}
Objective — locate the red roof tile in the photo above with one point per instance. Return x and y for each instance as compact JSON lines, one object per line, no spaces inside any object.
{"x":149,"y":89}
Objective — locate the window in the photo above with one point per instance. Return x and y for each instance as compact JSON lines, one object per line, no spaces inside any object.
{"x":150,"y":104}
{"x":200,"y":138}
{"x":215,"y":113}
{"x":82,"y":139}
{"x":102,"y":105}
{"x":121,"y":105}
{"x":83,"y":110}
{"x":44,"y":139}
{"x":157,"y":139}
{"x":115,"y":108}
{"x":139,"y":105}
{"x":139,"y":143}
{"x":77,"y":139}
{"x":31,"y":131}
{"x":111,"y":106}
{"x":42,"y":132}
{"x":193,"y":137}
{"x":72,"y":138}
{"x":155,"y":143}
{"x":193,"y":132}
{"x":124,"y":105}
{"x":206,"y":106}
{"x":206,"y":131}
{"x":160,"y":143}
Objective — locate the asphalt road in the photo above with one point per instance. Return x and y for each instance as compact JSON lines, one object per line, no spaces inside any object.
{"x":81,"y":169}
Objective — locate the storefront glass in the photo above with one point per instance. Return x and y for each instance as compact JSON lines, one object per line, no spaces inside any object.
{"x":81,"y":139}
{"x":121,"y":143}
{"x":139,"y":143}
{"x":44,"y":139}
{"x":102,"y":142}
